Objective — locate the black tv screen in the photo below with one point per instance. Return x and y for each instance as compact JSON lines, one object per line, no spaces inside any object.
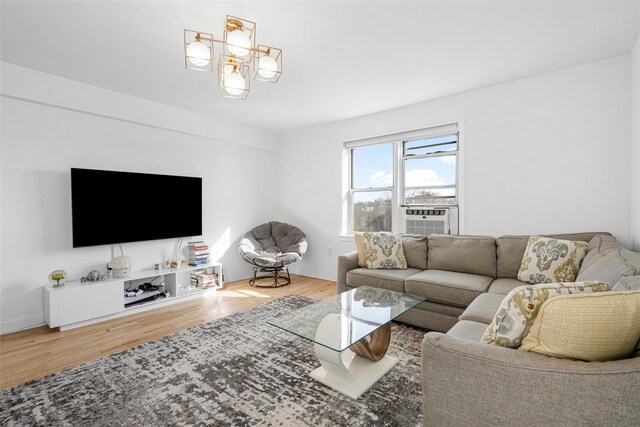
{"x":110,"y":207}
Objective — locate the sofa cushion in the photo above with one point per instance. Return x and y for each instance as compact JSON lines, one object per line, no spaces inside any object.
{"x":467,"y":330}
{"x":510,"y":250}
{"x":483,"y":308}
{"x":612,"y":266}
{"x":382,"y":250}
{"x":464,"y":254}
{"x":599,"y":246}
{"x":415,"y":250}
{"x":448,"y":287}
{"x":504,"y":286}
{"x":520,"y":307}
{"x":597,"y":327}
{"x":550,"y":260}
{"x":384,"y":279}
{"x":627,"y":283}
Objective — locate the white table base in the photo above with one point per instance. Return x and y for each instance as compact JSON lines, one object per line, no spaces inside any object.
{"x":349,"y":373}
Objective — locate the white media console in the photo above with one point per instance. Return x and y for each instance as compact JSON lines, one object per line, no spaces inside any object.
{"x":81,"y":303}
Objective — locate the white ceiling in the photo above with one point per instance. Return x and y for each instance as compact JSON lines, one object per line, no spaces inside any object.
{"x":341,"y":59}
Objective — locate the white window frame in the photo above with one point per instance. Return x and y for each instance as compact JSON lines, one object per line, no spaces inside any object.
{"x":399,"y":165}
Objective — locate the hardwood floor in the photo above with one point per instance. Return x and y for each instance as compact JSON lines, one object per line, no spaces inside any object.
{"x":34,"y":353}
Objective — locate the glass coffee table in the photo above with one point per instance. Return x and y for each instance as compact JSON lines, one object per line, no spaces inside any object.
{"x":351,"y":334}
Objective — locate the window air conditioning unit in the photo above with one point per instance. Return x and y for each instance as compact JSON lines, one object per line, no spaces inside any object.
{"x":431,"y":220}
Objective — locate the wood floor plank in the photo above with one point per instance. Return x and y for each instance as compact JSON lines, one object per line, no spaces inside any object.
{"x":34,"y":353}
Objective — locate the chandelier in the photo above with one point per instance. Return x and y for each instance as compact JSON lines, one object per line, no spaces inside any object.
{"x":240,"y":57}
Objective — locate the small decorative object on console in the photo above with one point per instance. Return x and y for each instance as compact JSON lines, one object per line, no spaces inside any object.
{"x":57,"y":278}
{"x":93,"y":276}
{"x":121,"y":265}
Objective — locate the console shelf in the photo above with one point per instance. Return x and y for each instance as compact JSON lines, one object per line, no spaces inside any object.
{"x":78,"y":304}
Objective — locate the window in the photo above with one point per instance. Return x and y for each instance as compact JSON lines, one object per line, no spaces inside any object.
{"x":372,"y":187}
{"x":430,"y":170}
{"x":387,"y":173}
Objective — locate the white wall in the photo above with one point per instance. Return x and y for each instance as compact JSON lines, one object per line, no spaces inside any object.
{"x":635,"y":148}
{"x":50,"y":124}
{"x":545,"y":154}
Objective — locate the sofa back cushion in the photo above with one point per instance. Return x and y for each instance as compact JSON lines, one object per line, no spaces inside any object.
{"x":599,"y":246}
{"x":510,"y":250}
{"x":464,"y":254}
{"x":415,"y":250}
{"x":611,"y":266}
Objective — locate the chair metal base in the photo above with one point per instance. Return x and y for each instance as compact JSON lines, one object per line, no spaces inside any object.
{"x":279,"y":279}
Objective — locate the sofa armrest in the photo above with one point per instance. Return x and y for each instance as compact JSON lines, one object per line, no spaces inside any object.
{"x":346,"y":262}
{"x":465,"y":381}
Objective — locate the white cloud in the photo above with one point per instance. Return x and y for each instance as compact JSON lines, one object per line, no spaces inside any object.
{"x":415,"y":178}
{"x":381,"y":179}
{"x":448,"y":160}
{"x":423,"y":177}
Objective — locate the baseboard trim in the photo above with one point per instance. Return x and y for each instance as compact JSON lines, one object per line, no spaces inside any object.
{"x":325,"y":275}
{"x":21,"y":323}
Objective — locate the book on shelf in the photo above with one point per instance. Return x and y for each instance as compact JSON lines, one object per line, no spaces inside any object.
{"x":207,"y":280}
{"x":196,"y":262}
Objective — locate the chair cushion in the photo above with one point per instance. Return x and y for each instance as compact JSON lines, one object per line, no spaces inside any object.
{"x":483,"y":309}
{"x":520,"y":307}
{"x":592,"y":327}
{"x":504,"y":286}
{"x":448,"y":287}
{"x":288,"y":237}
{"x":464,"y":254}
{"x":273,"y":244}
{"x":550,"y":260}
{"x":467,"y":330}
{"x":385,"y":279}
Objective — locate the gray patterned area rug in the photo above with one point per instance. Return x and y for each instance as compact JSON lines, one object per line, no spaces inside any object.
{"x":234,"y":371}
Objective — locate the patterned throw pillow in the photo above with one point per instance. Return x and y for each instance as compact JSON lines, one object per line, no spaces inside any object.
{"x":383,"y":251}
{"x":519,"y":308}
{"x":548,"y":260}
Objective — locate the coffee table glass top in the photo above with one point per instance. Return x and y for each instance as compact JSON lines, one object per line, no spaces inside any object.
{"x":346,"y":318}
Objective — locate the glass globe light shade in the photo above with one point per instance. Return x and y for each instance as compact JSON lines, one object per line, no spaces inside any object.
{"x":199,"y":54}
{"x":267,"y":66}
{"x":234,"y":83}
{"x":240,"y":41}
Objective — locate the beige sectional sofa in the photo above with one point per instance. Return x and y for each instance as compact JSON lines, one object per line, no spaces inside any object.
{"x":449,"y":271}
{"x":466,"y":382}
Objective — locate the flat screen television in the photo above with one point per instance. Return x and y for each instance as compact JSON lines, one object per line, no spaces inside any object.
{"x":111,"y":207}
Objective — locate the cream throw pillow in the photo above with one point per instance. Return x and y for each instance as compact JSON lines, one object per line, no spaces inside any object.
{"x":359,"y":239}
{"x":598,"y":327}
{"x":519,"y":308}
{"x":380,"y":250}
{"x":548,"y":260}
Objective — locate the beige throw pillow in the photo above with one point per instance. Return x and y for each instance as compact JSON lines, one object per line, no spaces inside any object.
{"x":598,"y":327}
{"x":549,"y":260}
{"x":359,"y":239}
{"x":519,"y":308}
{"x":383,"y":250}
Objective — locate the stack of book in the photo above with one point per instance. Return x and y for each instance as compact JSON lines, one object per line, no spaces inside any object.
{"x":198,"y":253}
{"x":204,"y":278}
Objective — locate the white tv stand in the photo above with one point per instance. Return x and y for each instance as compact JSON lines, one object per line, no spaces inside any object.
{"x":78,"y":304}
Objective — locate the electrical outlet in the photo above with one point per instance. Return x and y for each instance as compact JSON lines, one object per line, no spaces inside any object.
{"x":329,"y":252}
